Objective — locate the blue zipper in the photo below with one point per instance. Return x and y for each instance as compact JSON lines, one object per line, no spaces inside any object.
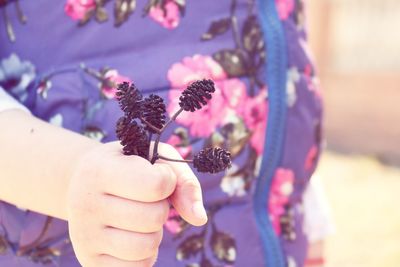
{"x":276,"y":79}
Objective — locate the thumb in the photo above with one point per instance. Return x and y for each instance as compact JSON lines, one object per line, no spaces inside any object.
{"x":187,"y":198}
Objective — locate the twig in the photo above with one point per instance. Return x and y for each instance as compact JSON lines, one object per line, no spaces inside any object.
{"x":173,"y":118}
{"x":155,"y":149}
{"x":175,"y":160}
{"x":158,"y":131}
{"x":148,"y":152}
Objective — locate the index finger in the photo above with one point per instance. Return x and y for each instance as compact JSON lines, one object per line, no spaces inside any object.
{"x":135,"y":178}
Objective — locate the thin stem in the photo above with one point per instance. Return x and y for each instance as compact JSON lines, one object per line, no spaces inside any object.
{"x":148,"y":152}
{"x":158,"y":131}
{"x":175,"y":160}
{"x":173,"y":118}
{"x":155,"y":149}
{"x":234,"y":22}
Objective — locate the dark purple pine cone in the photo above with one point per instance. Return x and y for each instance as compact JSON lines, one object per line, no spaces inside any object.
{"x":129,"y":99}
{"x":212,"y":160}
{"x":196,"y":95}
{"x":133,"y":137}
{"x":153,"y":111}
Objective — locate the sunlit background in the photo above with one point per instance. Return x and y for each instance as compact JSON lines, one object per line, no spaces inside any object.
{"x":357,"y":49}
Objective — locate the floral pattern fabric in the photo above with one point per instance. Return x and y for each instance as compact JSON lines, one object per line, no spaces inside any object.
{"x":183,"y":41}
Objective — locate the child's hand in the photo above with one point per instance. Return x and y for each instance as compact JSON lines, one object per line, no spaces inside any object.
{"x":117,"y":205}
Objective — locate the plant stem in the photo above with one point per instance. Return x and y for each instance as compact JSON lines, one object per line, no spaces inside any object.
{"x":148,"y":153}
{"x":158,"y":131}
{"x":173,"y":118}
{"x":175,"y":160}
{"x":155,"y":149}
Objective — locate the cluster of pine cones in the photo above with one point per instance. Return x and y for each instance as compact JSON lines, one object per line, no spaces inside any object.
{"x":146,"y":117}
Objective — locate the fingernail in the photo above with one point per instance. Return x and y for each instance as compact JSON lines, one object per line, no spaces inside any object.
{"x":199,"y":211}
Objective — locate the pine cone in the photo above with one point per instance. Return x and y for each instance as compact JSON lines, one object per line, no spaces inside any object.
{"x":153,"y":111}
{"x":196,"y":95}
{"x":133,"y":137}
{"x":130,"y":99}
{"x":212,"y":160}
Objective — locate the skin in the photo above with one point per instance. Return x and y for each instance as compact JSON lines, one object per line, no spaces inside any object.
{"x":115,"y":205}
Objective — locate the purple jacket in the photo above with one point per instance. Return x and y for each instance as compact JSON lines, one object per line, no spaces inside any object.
{"x":62,"y":60}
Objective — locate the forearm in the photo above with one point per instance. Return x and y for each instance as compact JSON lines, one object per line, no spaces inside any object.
{"x":36,"y":161}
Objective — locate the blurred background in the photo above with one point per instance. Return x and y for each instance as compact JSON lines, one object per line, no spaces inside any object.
{"x":357,"y":49}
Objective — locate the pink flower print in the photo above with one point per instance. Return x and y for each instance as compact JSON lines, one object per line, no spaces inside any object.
{"x":77,"y":9}
{"x":167,"y":16}
{"x":111,"y":79}
{"x":255,"y":115}
{"x":195,"y":68}
{"x":284,"y":7}
{"x":311,"y":158}
{"x":281,"y":188}
{"x":203,"y":122}
{"x":230,"y":94}
{"x":235,"y":95}
{"x":175,"y":224}
{"x":175,"y":141}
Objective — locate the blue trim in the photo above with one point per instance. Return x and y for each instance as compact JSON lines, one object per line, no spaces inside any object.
{"x":276,"y":79}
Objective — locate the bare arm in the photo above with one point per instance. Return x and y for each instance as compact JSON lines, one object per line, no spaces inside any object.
{"x":115,"y":205}
{"x":36,"y":160}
